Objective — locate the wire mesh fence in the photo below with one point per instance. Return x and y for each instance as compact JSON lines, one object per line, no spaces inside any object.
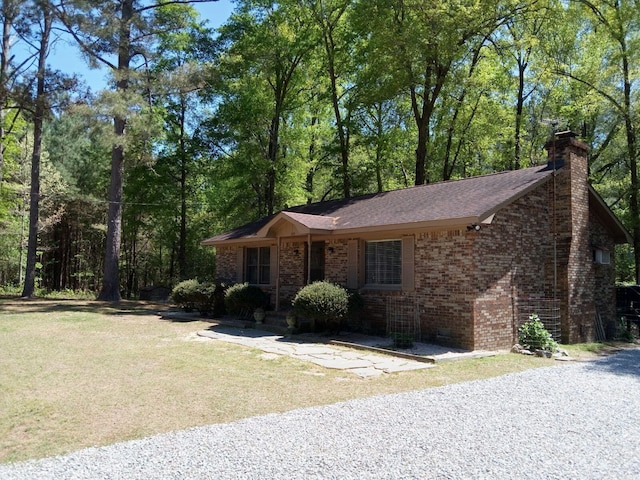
{"x":547,"y":311}
{"x":403,"y":320}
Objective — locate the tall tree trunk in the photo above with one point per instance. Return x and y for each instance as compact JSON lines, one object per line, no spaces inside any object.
{"x":274,"y":140}
{"x":434,"y":77}
{"x":111,"y":279}
{"x":422,"y":117}
{"x":379,"y":146}
{"x":632,"y":150}
{"x":34,"y":201}
{"x":517,"y":147}
{"x":308,"y":184}
{"x":328,"y":26}
{"x":182,"y":241}
{"x":343,"y":136}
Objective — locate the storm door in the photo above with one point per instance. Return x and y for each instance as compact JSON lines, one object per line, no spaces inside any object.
{"x":316,"y":263}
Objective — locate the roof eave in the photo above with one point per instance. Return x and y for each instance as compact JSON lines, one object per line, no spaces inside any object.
{"x":620,"y":234}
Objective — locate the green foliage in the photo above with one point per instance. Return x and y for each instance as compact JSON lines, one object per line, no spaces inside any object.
{"x":322,"y":302}
{"x":533,"y":335}
{"x":206,"y":297}
{"x":68,"y":294}
{"x":183,"y":294}
{"x":10,"y":289}
{"x":242,"y":299}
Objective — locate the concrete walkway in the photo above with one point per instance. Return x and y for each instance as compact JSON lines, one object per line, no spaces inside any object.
{"x":358,"y":362}
{"x":362,"y":355}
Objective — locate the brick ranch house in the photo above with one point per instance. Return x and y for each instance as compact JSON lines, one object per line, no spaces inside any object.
{"x":471,"y":252}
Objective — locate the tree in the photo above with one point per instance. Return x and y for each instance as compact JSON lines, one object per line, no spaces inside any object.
{"x":259,"y":83}
{"x":182,"y":57}
{"x":331,"y":18}
{"x":38,"y":122}
{"x":125,"y":29}
{"x":424,"y":44}
{"x":78,"y":144}
{"x":614,"y":29}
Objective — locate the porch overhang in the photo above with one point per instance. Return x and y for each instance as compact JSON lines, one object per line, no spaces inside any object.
{"x":297,"y":224}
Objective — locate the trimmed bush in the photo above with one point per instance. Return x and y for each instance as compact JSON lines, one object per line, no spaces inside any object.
{"x":183,"y":294}
{"x":242,"y":299}
{"x":533,"y":335}
{"x":206,"y":298}
{"x":324,"y":303}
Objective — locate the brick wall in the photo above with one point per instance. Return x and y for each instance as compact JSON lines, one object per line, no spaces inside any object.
{"x":226,"y":258}
{"x":336,"y":261}
{"x":604,"y":276}
{"x":443,"y":261}
{"x":292,"y":270}
{"x":514,"y":262}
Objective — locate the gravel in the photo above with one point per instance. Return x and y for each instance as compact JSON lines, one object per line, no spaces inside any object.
{"x":567,"y":421}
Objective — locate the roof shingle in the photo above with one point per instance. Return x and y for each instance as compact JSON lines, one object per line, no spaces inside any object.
{"x":456,"y":200}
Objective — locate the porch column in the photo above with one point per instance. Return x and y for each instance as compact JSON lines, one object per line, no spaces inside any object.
{"x":278,"y":274}
{"x":308,"y":259}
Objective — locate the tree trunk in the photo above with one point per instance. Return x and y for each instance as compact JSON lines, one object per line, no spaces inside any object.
{"x":633,"y":163}
{"x":343,"y":136}
{"x":422,"y":115}
{"x":182,"y":241}
{"x":274,"y":139}
{"x":519,"y":109}
{"x":34,"y":200}
{"x":421,"y":151}
{"x":111,"y":279}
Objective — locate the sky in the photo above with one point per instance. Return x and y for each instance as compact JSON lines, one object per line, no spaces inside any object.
{"x":65,"y":56}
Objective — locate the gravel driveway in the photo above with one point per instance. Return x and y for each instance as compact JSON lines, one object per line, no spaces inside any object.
{"x":567,"y":421}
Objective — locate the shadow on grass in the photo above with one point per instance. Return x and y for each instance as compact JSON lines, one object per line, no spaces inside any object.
{"x":17,"y":305}
{"x":625,"y":363}
{"x":240,"y":331}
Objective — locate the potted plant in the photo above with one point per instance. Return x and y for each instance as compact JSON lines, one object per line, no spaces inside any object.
{"x":258,"y":315}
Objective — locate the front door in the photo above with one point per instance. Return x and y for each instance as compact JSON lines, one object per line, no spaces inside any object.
{"x":316,"y":263}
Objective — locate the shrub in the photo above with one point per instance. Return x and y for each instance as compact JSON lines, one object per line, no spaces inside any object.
{"x":207,"y":298}
{"x":533,"y":335}
{"x":323,"y":303}
{"x":242,"y":299}
{"x":183,"y":294}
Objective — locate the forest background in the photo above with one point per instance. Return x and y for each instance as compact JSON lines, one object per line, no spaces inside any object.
{"x":199,"y":130}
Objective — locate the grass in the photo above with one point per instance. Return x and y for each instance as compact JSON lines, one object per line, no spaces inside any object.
{"x":75,"y":374}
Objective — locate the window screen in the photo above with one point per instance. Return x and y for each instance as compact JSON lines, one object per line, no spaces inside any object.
{"x":383,"y":262}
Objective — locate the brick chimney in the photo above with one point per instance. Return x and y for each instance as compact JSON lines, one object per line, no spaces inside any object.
{"x":574,"y":273}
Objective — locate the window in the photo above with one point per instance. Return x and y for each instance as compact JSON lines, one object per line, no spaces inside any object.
{"x":602,"y":256}
{"x":383,"y":262}
{"x":258,"y":266}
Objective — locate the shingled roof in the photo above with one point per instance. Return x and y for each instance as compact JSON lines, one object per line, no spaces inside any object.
{"x":451,"y":203}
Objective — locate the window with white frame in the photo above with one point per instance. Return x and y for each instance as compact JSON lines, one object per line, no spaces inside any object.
{"x":258,"y":265}
{"x":383,"y":262}
{"x":601,"y":256}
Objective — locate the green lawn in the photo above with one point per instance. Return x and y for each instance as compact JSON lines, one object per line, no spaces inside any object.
{"x":75,"y":374}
